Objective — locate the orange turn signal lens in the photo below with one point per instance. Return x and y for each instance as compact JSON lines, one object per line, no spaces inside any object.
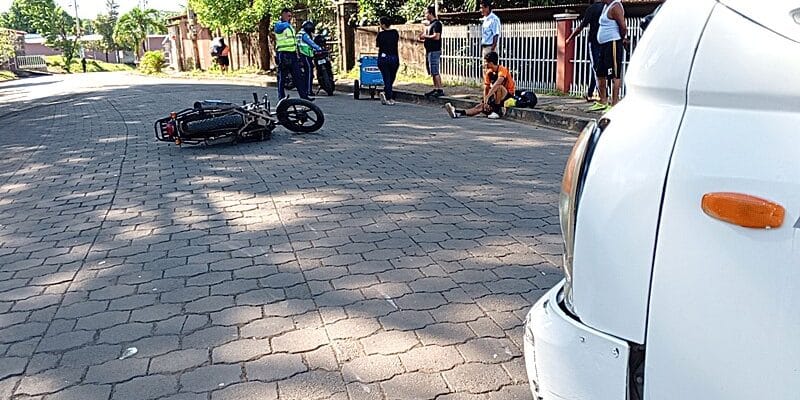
{"x":744,"y":210}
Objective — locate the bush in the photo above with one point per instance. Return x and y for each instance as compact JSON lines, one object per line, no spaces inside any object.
{"x":152,"y":62}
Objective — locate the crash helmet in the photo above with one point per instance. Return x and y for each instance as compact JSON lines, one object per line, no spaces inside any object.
{"x":309,"y":27}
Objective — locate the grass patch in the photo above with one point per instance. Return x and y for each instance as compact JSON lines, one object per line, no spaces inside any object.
{"x":7,"y":76}
{"x":55,"y":64}
{"x":215,"y":72}
{"x":412,"y":76}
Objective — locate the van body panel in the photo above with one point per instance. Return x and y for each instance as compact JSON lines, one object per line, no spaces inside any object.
{"x":725,"y":301}
{"x":619,"y":209}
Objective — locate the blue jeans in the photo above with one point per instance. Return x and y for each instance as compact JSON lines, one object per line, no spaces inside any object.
{"x":290,"y":60}
{"x":308,"y":72}
{"x":389,"y":66}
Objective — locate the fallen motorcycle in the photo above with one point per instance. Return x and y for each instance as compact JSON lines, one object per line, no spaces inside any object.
{"x":214,"y":121}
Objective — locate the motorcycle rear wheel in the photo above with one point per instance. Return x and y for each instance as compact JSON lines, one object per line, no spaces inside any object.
{"x":301,"y":116}
{"x":231,"y":121}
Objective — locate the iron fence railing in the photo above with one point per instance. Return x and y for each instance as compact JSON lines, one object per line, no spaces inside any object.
{"x":582,"y":74}
{"x":528,"y":49}
{"x":31,"y":62}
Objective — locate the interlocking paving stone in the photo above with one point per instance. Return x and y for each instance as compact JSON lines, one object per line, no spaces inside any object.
{"x":247,"y":391}
{"x":299,"y":341}
{"x":210,"y":377}
{"x":476,"y":378}
{"x":414,"y":385}
{"x":275,"y":367}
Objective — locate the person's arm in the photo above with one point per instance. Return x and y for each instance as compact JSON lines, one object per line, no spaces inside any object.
{"x":575,"y":33}
{"x":579,"y":28}
{"x":486,"y":89}
{"x":496,"y":85}
{"x":618,"y":14}
{"x":307,"y":39}
{"x":281,"y":26}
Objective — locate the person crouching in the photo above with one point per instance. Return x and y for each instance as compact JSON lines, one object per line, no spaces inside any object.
{"x":498,"y":86}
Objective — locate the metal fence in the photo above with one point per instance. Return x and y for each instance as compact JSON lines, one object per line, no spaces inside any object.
{"x":528,"y":49}
{"x":31,"y":62}
{"x":582,"y":63}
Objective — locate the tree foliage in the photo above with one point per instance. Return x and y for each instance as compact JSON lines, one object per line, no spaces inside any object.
{"x":7,"y":48}
{"x":17,"y":17}
{"x":104,"y":25}
{"x":133,"y":27}
{"x":51,"y":21}
{"x":413,"y":10}
{"x":236,"y":15}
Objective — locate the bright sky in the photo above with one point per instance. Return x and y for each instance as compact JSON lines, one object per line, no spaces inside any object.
{"x":90,"y":8}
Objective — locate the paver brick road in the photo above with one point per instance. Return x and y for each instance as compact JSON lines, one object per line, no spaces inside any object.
{"x":392,"y":255}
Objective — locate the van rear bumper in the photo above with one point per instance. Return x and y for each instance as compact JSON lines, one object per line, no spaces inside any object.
{"x":567,"y":360}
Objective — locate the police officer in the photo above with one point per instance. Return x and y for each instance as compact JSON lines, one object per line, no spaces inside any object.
{"x":287,"y":58}
{"x":306,"y":48}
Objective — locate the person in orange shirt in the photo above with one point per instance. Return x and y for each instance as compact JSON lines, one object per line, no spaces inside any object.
{"x":224,"y":59}
{"x":498,"y":86}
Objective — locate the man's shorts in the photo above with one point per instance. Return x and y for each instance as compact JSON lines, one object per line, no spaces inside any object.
{"x":432,"y":62}
{"x":610,"y":65}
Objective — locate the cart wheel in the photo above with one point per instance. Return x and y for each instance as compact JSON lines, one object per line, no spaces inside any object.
{"x":356,"y":89}
{"x":372,"y":93}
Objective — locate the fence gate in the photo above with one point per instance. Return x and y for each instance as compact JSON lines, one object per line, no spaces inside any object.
{"x":36,"y":63}
{"x":528,"y":49}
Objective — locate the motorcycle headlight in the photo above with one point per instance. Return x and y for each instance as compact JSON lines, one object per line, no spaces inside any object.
{"x":571,"y":188}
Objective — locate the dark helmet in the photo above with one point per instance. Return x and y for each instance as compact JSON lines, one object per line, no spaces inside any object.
{"x":309,"y":27}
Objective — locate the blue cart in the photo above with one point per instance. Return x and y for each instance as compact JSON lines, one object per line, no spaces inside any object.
{"x":369,"y":77}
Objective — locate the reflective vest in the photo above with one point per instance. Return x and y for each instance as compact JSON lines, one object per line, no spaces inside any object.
{"x":285,"y":41}
{"x":303,"y":47}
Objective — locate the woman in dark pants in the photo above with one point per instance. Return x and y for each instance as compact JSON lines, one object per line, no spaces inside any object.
{"x":388,"y":59}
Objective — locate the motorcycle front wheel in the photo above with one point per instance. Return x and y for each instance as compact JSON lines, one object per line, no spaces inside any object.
{"x":301,"y":116}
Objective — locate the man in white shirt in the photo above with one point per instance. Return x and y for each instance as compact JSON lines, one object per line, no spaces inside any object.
{"x":490,"y":29}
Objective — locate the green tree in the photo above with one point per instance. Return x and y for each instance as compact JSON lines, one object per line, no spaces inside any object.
{"x":104,"y":25}
{"x":54,"y":24}
{"x":7,"y":49}
{"x":17,"y":18}
{"x":241,"y":16}
{"x":133,"y":27}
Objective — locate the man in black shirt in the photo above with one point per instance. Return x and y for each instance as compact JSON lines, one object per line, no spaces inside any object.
{"x":433,"y":50}
{"x":591,"y":19}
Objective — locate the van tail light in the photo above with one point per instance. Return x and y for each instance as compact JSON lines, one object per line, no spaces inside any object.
{"x":571,"y":189}
{"x":744,"y":210}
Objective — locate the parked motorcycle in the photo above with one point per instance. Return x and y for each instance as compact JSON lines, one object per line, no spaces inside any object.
{"x":214,"y":121}
{"x":322,"y":61}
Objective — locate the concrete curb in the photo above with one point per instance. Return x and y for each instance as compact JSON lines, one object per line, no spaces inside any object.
{"x":568,"y":123}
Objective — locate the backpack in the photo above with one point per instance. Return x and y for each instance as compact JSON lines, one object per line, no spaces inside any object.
{"x":526,"y":99}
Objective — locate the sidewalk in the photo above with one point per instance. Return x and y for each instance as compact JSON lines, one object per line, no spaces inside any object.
{"x":559,"y":112}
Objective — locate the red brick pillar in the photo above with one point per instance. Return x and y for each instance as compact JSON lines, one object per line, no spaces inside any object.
{"x":566,"y":51}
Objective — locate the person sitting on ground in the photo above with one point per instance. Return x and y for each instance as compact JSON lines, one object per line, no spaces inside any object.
{"x":498,"y":86}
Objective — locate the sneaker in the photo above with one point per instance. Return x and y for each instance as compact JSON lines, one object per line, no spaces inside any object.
{"x":383,"y":99}
{"x":438,"y":93}
{"x":390,"y":102}
{"x":597,"y":106}
{"x":451,"y":110}
{"x":431,"y":93}
{"x":493,"y":115}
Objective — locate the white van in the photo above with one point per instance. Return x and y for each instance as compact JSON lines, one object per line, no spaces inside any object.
{"x":681,"y":218}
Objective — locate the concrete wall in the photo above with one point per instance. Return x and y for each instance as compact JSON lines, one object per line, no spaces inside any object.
{"x":244,"y":47}
{"x":412,"y":51}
